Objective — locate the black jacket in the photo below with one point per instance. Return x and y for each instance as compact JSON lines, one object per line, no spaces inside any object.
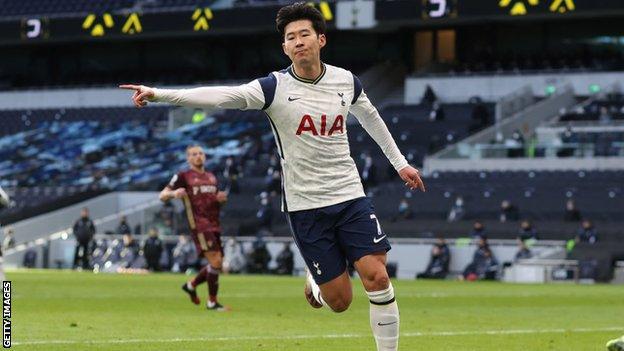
{"x":152,"y":248}
{"x":84,"y":230}
{"x":123,"y":228}
{"x":439,"y":264}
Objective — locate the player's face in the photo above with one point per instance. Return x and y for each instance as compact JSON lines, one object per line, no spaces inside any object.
{"x":301,"y":43}
{"x":196,"y":157}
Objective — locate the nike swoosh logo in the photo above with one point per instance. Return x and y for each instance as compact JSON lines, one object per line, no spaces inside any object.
{"x":382,"y":324}
{"x":377,"y":240}
{"x":293,"y":99}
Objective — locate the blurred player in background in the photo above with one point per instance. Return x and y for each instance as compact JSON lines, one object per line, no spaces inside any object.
{"x":331,"y":218}
{"x":197,"y":188}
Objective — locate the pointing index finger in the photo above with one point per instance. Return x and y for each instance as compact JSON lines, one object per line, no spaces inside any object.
{"x":130,"y":86}
{"x":419,"y":183}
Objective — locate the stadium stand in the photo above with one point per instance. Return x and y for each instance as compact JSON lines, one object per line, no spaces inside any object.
{"x":104,"y":147}
{"x":123,"y":146}
{"x":601,"y":110}
{"x":599,"y":193}
{"x":14,"y":121}
{"x":423,"y":129}
{"x":482,"y":63}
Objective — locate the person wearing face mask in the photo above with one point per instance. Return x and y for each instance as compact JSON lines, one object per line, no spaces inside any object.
{"x":484,"y":265}
{"x":439,"y":261}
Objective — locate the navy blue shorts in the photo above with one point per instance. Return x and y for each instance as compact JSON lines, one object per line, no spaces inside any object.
{"x":330,"y":236}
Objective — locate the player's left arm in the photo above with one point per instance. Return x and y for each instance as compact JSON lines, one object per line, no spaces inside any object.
{"x":369,"y":118}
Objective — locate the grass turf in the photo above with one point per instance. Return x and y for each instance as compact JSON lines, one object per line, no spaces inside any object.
{"x":63,"y":310}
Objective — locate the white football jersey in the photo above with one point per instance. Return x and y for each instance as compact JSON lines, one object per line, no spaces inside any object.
{"x":308,"y":119}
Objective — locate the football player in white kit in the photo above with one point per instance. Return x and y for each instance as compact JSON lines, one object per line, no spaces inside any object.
{"x":331,"y":218}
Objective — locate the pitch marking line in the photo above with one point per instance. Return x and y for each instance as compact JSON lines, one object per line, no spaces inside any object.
{"x":328,"y":336}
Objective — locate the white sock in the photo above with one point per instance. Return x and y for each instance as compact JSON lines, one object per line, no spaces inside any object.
{"x":384,"y":319}
{"x":316,"y":291}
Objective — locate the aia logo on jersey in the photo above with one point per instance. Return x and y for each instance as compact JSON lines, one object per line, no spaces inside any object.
{"x":307,"y":126}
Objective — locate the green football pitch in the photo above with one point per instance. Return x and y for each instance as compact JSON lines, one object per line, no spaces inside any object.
{"x":63,"y":310}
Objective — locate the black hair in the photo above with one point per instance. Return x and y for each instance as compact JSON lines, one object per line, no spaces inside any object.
{"x":300,"y":11}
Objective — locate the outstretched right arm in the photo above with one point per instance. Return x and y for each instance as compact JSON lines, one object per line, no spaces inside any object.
{"x":243,"y":97}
